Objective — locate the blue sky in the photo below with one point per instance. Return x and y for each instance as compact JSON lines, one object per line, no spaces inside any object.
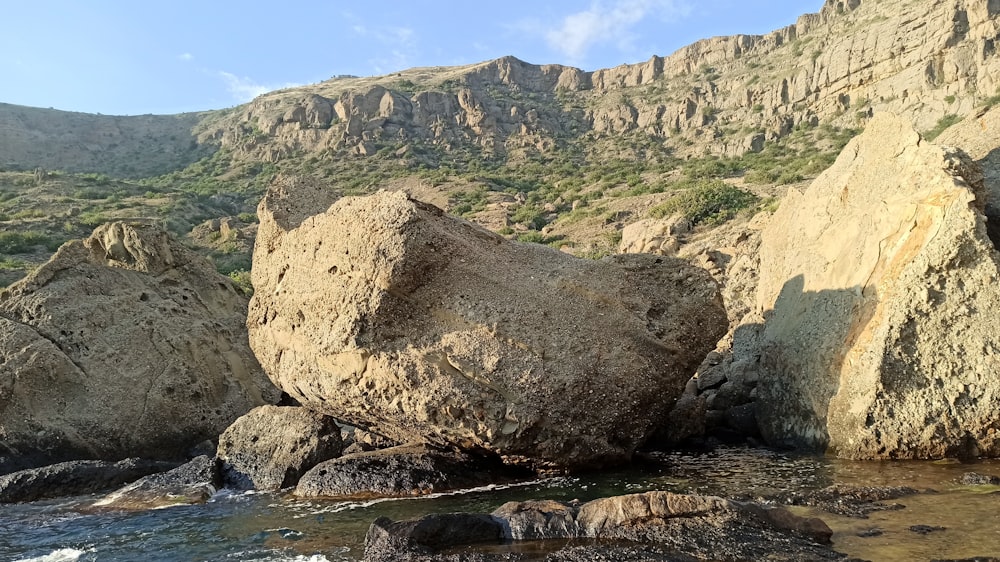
{"x":128,"y":58}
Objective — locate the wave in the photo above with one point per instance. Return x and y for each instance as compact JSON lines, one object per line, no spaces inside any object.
{"x":61,"y":555}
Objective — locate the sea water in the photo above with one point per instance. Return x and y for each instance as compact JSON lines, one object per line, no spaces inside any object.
{"x":279,"y":527}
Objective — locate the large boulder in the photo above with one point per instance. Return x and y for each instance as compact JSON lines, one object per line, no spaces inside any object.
{"x":271,"y":447}
{"x":123,"y":344}
{"x":388,"y":314}
{"x":877,"y":291}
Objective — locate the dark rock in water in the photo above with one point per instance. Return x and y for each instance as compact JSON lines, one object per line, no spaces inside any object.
{"x":926,"y":529}
{"x":977,"y":479}
{"x":74,"y":478}
{"x":189,"y":483}
{"x":390,"y":541}
{"x":848,"y":501}
{"x":539,"y":519}
{"x":976,"y":559}
{"x":869,"y":533}
{"x":406,"y":470}
{"x":271,"y":447}
{"x":742,"y":419}
{"x":667,"y":526}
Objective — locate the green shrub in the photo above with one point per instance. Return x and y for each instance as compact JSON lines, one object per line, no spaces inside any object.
{"x":710,"y":202}
{"x":241,"y":278}
{"x":22,"y":242}
{"x":942,"y":124}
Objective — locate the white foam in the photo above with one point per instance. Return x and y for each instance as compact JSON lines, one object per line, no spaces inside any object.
{"x":61,"y":555}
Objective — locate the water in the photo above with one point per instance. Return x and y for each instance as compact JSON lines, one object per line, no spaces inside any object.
{"x":278,"y":527}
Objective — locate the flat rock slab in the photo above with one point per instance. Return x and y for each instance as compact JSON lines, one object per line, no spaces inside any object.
{"x":74,"y":478}
{"x":409,"y":470}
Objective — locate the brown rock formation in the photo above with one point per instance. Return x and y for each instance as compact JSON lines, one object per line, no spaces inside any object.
{"x":385,"y":313}
{"x":123,"y":344}
{"x":874,"y":289}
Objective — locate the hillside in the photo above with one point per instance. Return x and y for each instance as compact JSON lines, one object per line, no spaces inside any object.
{"x":544,"y":153}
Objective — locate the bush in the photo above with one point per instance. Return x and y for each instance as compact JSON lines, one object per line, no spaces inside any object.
{"x":942,"y":124}
{"x":710,"y":202}
{"x":22,"y":242}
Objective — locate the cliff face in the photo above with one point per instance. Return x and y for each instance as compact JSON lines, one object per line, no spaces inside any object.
{"x":923,"y":58}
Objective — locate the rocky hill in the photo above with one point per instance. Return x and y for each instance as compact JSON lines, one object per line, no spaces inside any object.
{"x":543,"y":153}
{"x":125,"y":147}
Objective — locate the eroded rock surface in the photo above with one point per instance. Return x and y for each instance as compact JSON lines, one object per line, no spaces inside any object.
{"x":388,"y":314}
{"x":872,"y":337}
{"x":123,"y":344}
{"x":271,"y":447}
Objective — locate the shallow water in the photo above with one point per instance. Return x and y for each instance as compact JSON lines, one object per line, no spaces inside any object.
{"x":277,"y":527}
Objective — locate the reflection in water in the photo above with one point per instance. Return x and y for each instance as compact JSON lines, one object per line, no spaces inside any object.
{"x":277,"y":527}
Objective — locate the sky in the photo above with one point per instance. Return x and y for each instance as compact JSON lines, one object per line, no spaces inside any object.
{"x":155,"y":56}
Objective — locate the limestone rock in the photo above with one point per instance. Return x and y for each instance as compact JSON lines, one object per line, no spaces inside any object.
{"x":271,"y":447}
{"x":654,"y":236}
{"x":873,"y":294}
{"x":123,"y":344}
{"x":388,"y":314}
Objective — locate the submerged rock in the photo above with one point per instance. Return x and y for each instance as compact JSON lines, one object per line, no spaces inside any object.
{"x":390,"y":315}
{"x":190,"y":483}
{"x":271,"y":447}
{"x":872,"y":338}
{"x":123,"y":344}
{"x":74,"y":478}
{"x":667,"y":526}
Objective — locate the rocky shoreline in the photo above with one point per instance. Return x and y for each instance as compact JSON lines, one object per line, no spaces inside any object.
{"x":390,"y":350}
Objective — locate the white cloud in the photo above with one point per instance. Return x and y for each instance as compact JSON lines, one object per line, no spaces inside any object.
{"x":244,"y":89}
{"x":185,"y":56}
{"x":398,"y":44}
{"x":613,"y":23}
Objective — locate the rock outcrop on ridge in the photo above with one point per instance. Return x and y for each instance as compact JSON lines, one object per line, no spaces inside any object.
{"x":386,"y":313}
{"x":124,"y":344}
{"x":876,"y":336}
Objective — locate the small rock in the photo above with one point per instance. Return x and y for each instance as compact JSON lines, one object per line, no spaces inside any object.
{"x":926,"y":529}
{"x":271,"y":447}
{"x":406,"y":470}
{"x":977,"y":479}
{"x":190,"y":483}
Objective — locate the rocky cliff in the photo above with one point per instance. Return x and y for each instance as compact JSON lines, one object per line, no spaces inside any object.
{"x":925,"y":59}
